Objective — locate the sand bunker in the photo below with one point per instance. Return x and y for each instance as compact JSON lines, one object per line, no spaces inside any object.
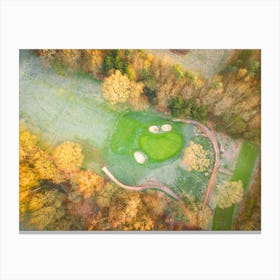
{"x":153,"y":129}
{"x":166,"y":127}
{"x":140,"y":157}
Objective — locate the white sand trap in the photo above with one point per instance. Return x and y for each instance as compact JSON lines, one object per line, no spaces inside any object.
{"x":166,"y":127}
{"x":139,"y":157}
{"x":153,"y":129}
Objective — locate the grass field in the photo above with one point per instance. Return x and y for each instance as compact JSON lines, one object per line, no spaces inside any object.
{"x":243,"y":170}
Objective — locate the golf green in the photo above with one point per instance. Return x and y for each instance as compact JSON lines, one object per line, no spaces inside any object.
{"x":161,"y":146}
{"x":132,"y":134}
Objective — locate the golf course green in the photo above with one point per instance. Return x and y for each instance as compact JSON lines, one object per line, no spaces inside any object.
{"x":132,"y":134}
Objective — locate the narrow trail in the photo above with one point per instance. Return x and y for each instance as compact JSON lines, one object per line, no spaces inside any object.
{"x":146,"y":185}
{"x":212,"y":137}
{"x":155,"y":184}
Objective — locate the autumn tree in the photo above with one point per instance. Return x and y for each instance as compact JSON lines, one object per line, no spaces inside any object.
{"x":139,"y":63}
{"x":45,"y":207}
{"x":27,"y":145}
{"x":69,"y":58}
{"x":47,"y":56}
{"x":68,"y":156}
{"x":195,"y":158}
{"x":28,"y":177}
{"x":92,"y":61}
{"x":107,"y":193}
{"x":119,"y":89}
{"x":228,"y":193}
{"x":124,"y":209}
{"x":199,"y":216}
{"x":87,"y":183}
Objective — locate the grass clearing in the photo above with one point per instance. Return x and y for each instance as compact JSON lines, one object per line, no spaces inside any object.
{"x":243,"y":171}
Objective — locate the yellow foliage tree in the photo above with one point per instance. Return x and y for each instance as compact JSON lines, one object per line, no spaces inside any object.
{"x":131,"y":73}
{"x":242,"y":73}
{"x":117,"y":88}
{"x":92,"y":61}
{"x":68,"y":156}
{"x":69,"y":58}
{"x":228,"y":194}
{"x":128,"y":212}
{"x":138,"y":60}
{"x":136,"y":89}
{"x":198,"y":215}
{"x":140,"y":222}
{"x":23,"y":201}
{"x":35,"y":164}
{"x":87,"y":183}
{"x":45,"y":208}
{"x":28,"y":178}
{"x":46,"y":168}
{"x":124,"y":209}
{"x":195,"y":157}
{"x":27,"y":145}
{"x":104,"y":197}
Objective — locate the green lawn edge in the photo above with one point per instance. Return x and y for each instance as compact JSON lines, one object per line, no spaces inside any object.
{"x":243,"y":171}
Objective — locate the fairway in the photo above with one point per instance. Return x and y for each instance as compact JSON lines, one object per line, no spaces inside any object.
{"x":243,"y":170}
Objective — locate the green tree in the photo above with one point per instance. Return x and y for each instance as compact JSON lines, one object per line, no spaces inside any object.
{"x":114,"y":61}
{"x":189,"y":108}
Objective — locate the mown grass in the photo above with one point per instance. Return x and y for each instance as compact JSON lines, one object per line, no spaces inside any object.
{"x":162,"y":146}
{"x":132,"y":135}
{"x":124,"y":137}
{"x":243,"y":170}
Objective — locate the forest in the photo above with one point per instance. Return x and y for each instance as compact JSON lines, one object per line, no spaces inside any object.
{"x":170,"y":87}
{"x":62,"y":186}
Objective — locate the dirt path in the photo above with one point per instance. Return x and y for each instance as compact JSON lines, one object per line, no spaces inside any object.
{"x":212,"y":137}
{"x":146,"y":185}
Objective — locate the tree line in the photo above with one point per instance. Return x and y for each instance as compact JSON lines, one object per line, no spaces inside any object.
{"x":231,"y":99}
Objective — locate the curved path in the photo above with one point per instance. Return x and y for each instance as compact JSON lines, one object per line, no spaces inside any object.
{"x":146,"y":185}
{"x":212,"y":137}
{"x":155,"y":184}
